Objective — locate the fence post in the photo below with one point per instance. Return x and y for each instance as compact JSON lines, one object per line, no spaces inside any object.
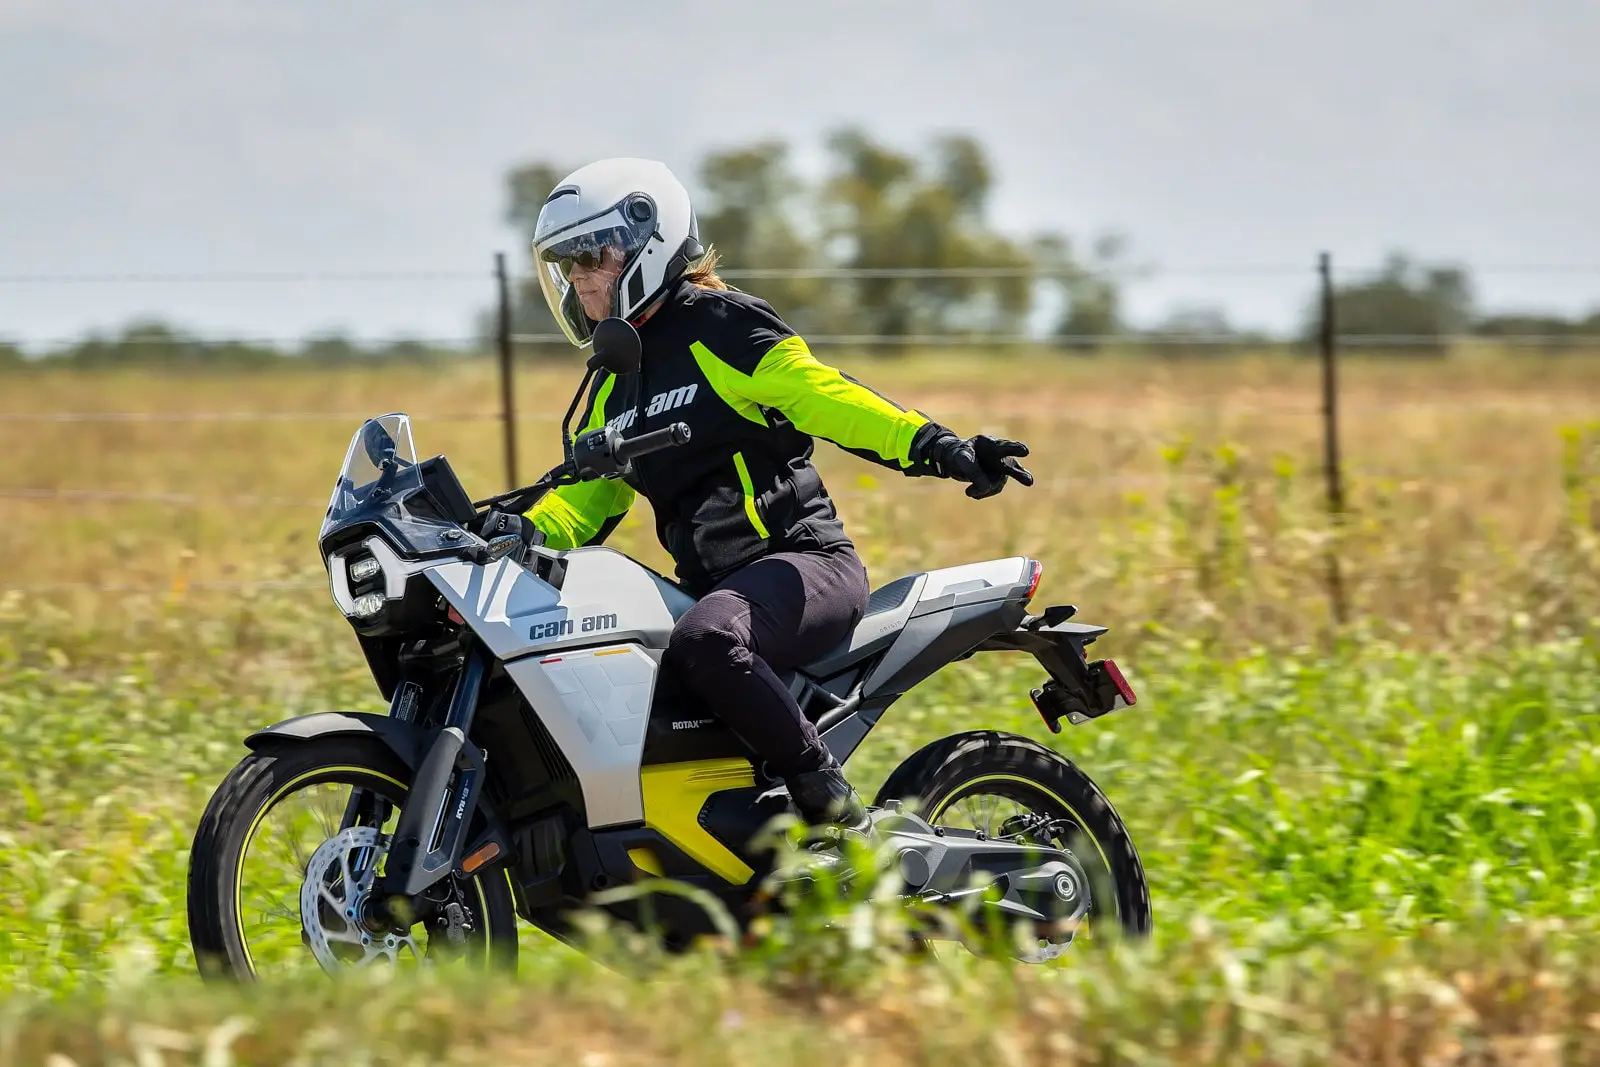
{"x":1330,"y":436}
{"x":508,"y":415}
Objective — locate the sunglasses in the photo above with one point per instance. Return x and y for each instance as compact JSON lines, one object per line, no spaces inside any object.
{"x":585,"y":251}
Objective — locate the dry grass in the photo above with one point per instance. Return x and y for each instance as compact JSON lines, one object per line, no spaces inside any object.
{"x":1186,"y":496}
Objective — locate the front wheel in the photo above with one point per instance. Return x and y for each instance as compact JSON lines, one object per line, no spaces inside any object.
{"x":277,"y":881}
{"x":1010,"y":786}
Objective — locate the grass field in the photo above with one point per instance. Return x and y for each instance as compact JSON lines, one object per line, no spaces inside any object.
{"x":1368,"y":841}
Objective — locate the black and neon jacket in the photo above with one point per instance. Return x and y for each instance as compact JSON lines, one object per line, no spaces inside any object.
{"x":754,"y":398}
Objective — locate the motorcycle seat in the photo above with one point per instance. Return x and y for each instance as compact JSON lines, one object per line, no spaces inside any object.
{"x":888,"y":609}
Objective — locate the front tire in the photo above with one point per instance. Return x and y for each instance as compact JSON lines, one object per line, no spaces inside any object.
{"x":944,"y":774}
{"x":256,"y":785}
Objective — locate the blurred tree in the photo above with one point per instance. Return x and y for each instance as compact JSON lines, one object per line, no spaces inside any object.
{"x":156,"y":344}
{"x":752,"y":214}
{"x":1090,"y":293}
{"x":144,"y":341}
{"x":1196,"y":320}
{"x":883,"y":210}
{"x":1555,"y":333}
{"x":11,"y":357}
{"x":1425,"y":305}
{"x":1189,"y":331}
{"x":877,"y":209}
{"x":527,"y":186}
{"x":330,"y":350}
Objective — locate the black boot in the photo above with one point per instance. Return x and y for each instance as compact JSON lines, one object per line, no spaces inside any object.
{"x":824,"y":799}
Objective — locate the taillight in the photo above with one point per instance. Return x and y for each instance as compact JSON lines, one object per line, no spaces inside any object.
{"x":1033,"y":583}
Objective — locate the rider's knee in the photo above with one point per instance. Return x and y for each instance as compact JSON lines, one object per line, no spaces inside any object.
{"x":701,"y":642}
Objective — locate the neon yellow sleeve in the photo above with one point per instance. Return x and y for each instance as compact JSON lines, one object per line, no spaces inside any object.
{"x":571,"y":516}
{"x":818,"y":399}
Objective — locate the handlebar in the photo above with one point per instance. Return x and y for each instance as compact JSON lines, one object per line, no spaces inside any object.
{"x":621,"y":454}
{"x":656,"y":440}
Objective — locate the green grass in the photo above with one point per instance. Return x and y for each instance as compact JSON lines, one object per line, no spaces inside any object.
{"x":1365,"y":788}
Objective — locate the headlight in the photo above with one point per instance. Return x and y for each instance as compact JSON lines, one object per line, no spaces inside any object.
{"x":367,"y":605}
{"x":363,"y":569}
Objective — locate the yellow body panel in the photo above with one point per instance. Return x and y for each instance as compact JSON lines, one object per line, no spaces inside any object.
{"x":646,"y":861}
{"x":674,"y":793}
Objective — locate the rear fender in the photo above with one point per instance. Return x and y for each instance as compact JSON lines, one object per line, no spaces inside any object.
{"x":1078,"y":690}
{"x":406,"y":740}
{"x":1059,"y":648}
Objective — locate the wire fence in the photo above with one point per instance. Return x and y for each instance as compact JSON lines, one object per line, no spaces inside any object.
{"x":1137,"y":340}
{"x":1125,"y":275}
{"x":1454,"y":406}
{"x":1323,"y":407}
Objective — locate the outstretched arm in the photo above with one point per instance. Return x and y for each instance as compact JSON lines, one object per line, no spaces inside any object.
{"x":819,"y":400}
{"x":824,"y":402}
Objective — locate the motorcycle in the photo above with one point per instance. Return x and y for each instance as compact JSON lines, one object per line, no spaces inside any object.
{"x":525,"y":765}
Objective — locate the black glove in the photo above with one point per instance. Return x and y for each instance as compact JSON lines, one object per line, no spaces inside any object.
{"x":985,"y":462}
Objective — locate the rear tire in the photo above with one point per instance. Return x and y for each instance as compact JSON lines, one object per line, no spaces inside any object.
{"x":236,"y":809}
{"x":940,"y":774}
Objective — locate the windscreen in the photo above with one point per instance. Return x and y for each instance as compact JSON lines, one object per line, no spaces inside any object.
{"x":381,"y":485}
{"x":381,"y":445}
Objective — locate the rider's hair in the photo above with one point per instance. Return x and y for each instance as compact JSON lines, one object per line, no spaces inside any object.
{"x":704,"y":272}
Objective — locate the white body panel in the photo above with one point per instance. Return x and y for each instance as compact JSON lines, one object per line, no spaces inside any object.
{"x":991,"y":573}
{"x":595,"y":703}
{"x":605,"y":596}
{"x":584,"y":656}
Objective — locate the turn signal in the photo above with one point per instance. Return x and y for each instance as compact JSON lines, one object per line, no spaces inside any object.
{"x":480,"y":857}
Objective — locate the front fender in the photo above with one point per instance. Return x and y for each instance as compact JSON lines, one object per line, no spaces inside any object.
{"x":406,"y":740}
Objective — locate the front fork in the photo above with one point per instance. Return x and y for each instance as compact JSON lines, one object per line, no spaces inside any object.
{"x":429,"y":840}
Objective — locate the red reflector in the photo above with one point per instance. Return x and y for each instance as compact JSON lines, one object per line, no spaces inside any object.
{"x":1033,"y":583}
{"x":1120,"y":682}
{"x":454,"y":616}
{"x":552,"y":659}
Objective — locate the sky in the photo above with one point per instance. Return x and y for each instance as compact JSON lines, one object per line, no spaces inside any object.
{"x":211,"y":136}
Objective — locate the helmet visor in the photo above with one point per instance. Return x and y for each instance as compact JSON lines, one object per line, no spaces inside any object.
{"x":577,"y":248}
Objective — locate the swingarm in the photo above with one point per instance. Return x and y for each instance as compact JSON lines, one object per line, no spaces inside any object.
{"x":1022,"y":881}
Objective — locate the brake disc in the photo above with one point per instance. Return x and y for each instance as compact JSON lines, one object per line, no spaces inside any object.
{"x":332,"y":899}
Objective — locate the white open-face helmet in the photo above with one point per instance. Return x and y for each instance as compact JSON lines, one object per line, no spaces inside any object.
{"x":633,"y":205}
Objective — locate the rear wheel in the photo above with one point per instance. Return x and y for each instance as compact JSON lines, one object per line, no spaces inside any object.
{"x":1009,"y":786}
{"x":274,"y":884}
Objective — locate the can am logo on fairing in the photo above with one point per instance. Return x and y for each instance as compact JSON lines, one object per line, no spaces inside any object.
{"x":588,"y":624}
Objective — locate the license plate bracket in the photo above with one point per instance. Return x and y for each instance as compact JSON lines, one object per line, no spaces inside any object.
{"x":1107,"y":691}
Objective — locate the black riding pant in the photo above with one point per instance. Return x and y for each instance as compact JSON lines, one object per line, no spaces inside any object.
{"x":778,"y":613}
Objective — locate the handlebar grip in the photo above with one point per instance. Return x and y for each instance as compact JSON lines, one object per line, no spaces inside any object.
{"x":654,"y":441}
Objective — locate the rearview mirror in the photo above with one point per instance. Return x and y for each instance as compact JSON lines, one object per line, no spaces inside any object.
{"x":380,"y":447}
{"x":616,"y":347}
